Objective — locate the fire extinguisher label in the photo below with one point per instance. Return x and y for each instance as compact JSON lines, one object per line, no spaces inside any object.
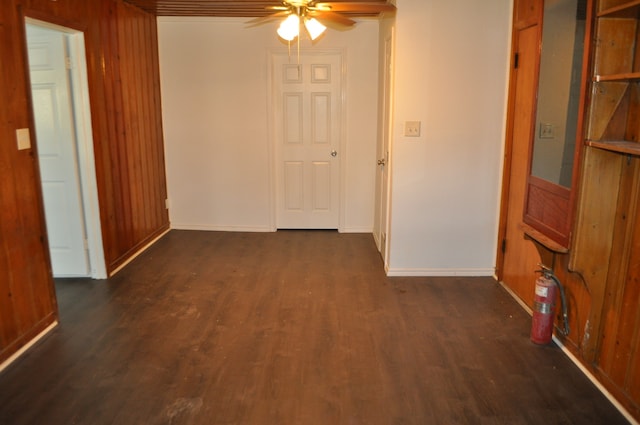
{"x":544,"y":308}
{"x":542,"y":291}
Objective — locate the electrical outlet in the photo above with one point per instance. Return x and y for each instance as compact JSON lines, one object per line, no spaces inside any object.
{"x":412,"y":128}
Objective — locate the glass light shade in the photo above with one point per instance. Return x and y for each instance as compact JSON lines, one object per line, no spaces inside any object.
{"x":314,"y":28}
{"x":289,"y":28}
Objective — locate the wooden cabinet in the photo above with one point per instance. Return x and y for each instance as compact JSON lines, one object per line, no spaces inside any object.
{"x":614,"y":113}
{"x":606,"y":245}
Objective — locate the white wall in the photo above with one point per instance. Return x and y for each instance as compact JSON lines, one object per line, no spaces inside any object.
{"x":214,"y":78}
{"x":451,"y":69}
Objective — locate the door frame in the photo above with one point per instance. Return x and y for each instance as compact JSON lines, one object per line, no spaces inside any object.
{"x":272,"y":149}
{"x":84,"y":142}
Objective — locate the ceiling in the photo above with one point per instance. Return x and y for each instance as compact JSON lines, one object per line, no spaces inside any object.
{"x":227,"y":8}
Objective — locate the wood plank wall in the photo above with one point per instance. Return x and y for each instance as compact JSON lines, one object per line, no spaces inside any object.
{"x":604,"y":299}
{"x":123,"y":78}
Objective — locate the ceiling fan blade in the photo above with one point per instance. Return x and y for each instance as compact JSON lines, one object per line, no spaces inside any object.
{"x":264,"y":19}
{"x":329,"y":16}
{"x":355,"y":7}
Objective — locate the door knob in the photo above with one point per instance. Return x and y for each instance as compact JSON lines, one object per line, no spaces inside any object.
{"x":334,"y":153}
{"x":382,"y":161}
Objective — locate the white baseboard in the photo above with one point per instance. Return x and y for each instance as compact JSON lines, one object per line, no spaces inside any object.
{"x":479,"y":272}
{"x":140,"y":251}
{"x":356,"y":230}
{"x":219,"y":228}
{"x":28,"y":345}
{"x":595,"y":382}
{"x":575,"y":361}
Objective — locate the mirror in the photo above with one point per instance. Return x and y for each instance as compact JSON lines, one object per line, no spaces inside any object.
{"x":549,"y":198}
{"x":559,"y":83}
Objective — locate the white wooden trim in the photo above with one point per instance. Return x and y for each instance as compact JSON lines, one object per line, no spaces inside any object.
{"x":28,"y":345}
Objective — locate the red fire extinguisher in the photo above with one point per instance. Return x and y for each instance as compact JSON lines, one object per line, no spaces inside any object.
{"x":547,"y":286}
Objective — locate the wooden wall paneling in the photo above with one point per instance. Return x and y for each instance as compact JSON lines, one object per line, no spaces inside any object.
{"x":138,"y":32}
{"x":27,"y":298}
{"x":615,"y":343}
{"x":632,"y":130}
{"x":9,"y":331}
{"x":136,"y":109}
{"x":143,"y":153}
{"x":631,"y":315}
{"x":152,"y":205}
{"x":130,"y":143}
{"x":135,"y":183}
{"x":593,"y":239}
{"x":117,"y":171}
{"x":618,"y":35}
{"x":106,"y":118}
{"x":579,"y":305}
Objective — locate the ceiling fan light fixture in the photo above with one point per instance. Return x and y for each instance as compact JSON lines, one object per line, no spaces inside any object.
{"x":314,"y":27}
{"x":289,"y":28}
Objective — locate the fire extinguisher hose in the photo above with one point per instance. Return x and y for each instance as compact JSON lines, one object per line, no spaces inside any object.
{"x":548,"y":273}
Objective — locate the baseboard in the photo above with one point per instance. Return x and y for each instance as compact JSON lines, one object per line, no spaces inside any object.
{"x":28,"y":345}
{"x":218,"y":228}
{"x":595,"y":382}
{"x":479,"y":272}
{"x":140,"y":251}
{"x":356,"y":230}
{"x":577,"y":362}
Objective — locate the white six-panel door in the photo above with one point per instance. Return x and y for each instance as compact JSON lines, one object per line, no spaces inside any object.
{"x":307,"y":101}
{"x":57,"y":152}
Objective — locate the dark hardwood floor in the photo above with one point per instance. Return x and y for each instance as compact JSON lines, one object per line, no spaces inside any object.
{"x":288,"y":328}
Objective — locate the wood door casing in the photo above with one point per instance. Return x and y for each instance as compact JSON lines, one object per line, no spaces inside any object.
{"x":519,"y":260}
{"x":57,"y":153}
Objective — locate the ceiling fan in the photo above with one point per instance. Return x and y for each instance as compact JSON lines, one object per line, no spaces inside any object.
{"x":315,"y":14}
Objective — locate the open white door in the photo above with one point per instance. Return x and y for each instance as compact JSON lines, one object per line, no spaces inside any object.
{"x":381,"y":216}
{"x":56,"y":108}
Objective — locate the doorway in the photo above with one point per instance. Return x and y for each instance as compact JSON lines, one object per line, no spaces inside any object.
{"x":307,"y":104}
{"x":60,"y":101}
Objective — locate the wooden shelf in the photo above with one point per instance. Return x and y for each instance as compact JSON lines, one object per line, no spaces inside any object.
{"x":629,"y":9}
{"x":543,"y":240}
{"x":619,"y":146}
{"x":626,"y":77}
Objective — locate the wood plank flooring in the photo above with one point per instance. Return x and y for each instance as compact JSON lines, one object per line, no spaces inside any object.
{"x":291,"y":327}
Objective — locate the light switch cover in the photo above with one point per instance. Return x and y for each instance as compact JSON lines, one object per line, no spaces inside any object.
{"x":23,"y":138}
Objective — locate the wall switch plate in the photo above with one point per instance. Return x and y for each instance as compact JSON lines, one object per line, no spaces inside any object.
{"x":412,"y":128}
{"x":23,"y":138}
{"x":546,"y":131}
